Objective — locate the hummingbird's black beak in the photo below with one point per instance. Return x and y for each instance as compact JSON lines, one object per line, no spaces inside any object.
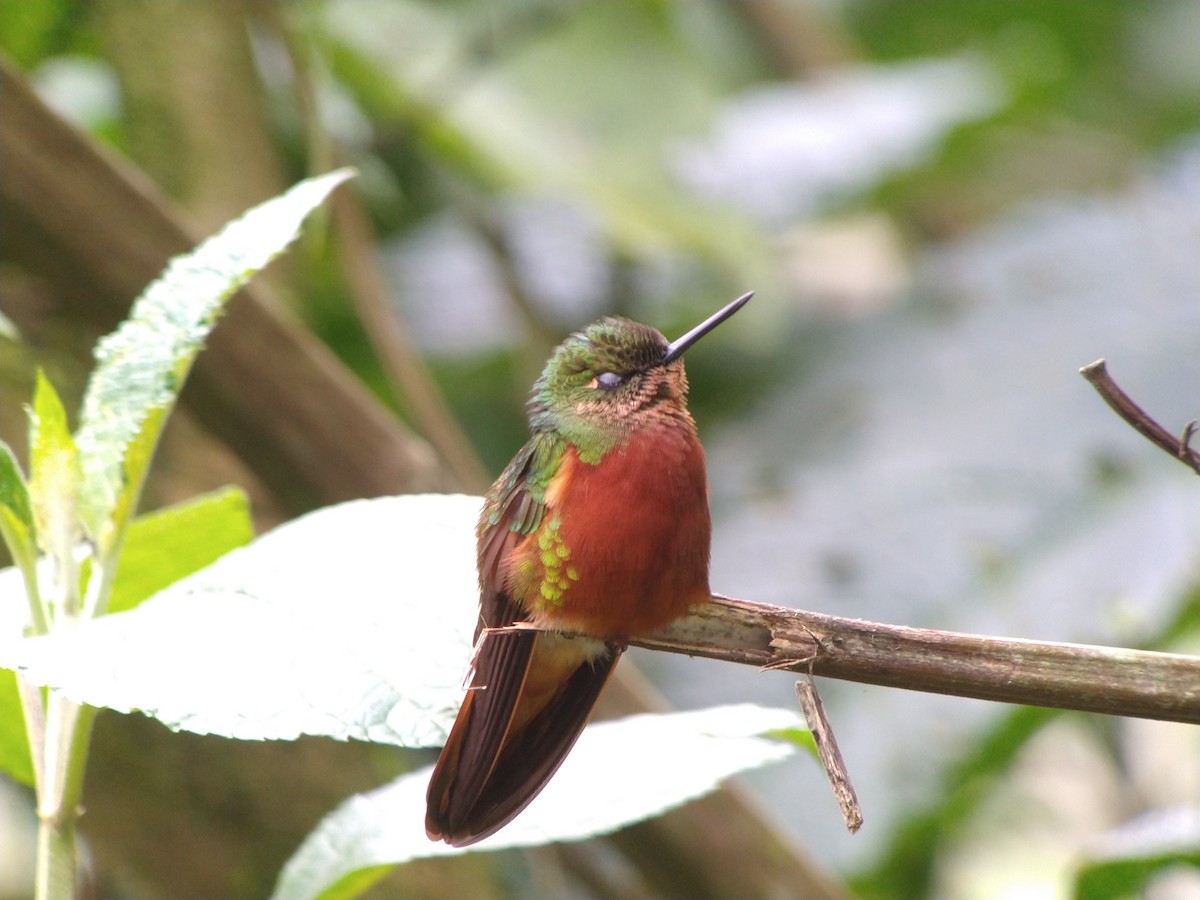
{"x":677,"y":347}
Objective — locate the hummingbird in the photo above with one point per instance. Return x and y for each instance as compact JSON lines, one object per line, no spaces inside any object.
{"x":596,"y":532}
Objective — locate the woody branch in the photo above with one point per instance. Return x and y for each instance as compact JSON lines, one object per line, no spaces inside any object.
{"x":1112,"y":680}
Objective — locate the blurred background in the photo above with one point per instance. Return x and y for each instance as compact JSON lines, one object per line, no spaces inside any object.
{"x":945,"y":210}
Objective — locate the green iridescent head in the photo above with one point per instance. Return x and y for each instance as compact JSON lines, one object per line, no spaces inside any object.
{"x":603,"y":382}
{"x":595,"y":372}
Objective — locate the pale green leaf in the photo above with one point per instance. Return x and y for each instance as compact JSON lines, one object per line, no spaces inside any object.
{"x":17,"y":528}
{"x":53,"y":472}
{"x":18,"y":531}
{"x":16,"y":512}
{"x":15,"y":761}
{"x":141,"y":366}
{"x":168,"y":544}
{"x":353,"y":622}
{"x":618,"y":773}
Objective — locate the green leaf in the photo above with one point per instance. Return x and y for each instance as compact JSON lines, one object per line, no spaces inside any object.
{"x":16,"y":513}
{"x":801,"y":737}
{"x":1128,"y":858}
{"x":15,"y":760}
{"x":54,"y":472}
{"x":169,"y":544}
{"x":17,"y":528}
{"x":618,"y":773}
{"x":142,"y":365}
{"x":352,"y":622}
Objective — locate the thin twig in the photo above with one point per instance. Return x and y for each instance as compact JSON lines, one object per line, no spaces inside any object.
{"x":1097,"y":374}
{"x":1185,"y":440}
{"x":1112,"y":680}
{"x":831,"y":756}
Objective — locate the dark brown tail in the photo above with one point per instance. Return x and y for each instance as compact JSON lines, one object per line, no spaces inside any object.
{"x":501,"y":752}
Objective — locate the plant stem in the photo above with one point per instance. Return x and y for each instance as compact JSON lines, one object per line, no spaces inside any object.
{"x":60,"y":749}
{"x":55,"y":875}
{"x":60,"y":790}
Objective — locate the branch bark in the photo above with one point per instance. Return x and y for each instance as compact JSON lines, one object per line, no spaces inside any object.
{"x":1124,"y":406}
{"x":1117,"y":681}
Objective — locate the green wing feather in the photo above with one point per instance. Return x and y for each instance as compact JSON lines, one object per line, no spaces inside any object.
{"x":512,"y":510}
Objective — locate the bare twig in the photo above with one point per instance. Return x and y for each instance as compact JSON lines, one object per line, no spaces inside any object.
{"x":1111,"y":680}
{"x":831,"y":756}
{"x":1097,"y":374}
{"x":1185,"y":440}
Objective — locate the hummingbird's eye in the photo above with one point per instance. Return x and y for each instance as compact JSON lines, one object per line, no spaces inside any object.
{"x":608,"y":381}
